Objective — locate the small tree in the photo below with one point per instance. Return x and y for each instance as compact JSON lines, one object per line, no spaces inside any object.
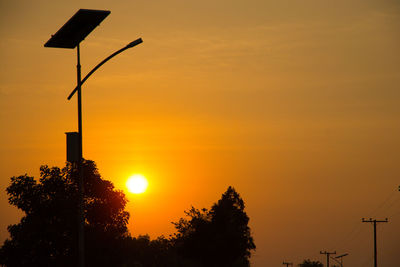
{"x":219,"y":236}
{"x":47,"y":233}
{"x":309,"y":263}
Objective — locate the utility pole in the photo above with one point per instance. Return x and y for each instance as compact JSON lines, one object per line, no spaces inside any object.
{"x":375,"y":221}
{"x":327,"y":256}
{"x":287,"y":263}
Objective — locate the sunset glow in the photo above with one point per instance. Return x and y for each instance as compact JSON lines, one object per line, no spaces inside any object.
{"x":137,"y":184}
{"x":295,"y":104}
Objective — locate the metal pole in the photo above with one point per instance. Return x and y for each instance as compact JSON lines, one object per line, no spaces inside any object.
{"x":375,"y":247}
{"x":327,"y":259}
{"x":327,"y":256}
{"x":375,"y":251}
{"x":79,"y":82}
{"x":81,"y":232}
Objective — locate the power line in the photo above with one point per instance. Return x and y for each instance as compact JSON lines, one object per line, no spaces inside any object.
{"x":383,"y":203}
{"x":375,"y":221}
{"x":386,"y":206}
{"x":353,"y":234}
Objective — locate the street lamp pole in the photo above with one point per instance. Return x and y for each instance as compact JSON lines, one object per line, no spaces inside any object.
{"x":81,"y":230}
{"x":79,"y":85}
{"x":69,"y":36}
{"x":78,"y":89}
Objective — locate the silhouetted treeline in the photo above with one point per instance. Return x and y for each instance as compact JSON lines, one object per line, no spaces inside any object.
{"x":310,"y":263}
{"x":47,"y":234}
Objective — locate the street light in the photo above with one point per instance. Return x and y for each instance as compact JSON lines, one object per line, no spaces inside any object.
{"x":341,"y":258}
{"x":70,"y":35}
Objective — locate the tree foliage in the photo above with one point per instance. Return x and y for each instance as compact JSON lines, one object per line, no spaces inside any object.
{"x":309,"y":263}
{"x":216,"y":237}
{"x":47,"y":233}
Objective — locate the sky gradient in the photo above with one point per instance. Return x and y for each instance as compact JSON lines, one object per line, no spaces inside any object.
{"x":296,"y":104}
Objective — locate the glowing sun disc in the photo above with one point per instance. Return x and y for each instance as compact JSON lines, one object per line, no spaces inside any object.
{"x":137,"y":184}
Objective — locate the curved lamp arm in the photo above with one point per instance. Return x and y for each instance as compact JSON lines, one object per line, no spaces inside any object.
{"x":131,"y":44}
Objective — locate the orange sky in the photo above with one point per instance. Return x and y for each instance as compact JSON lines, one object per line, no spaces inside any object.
{"x":294,"y":103}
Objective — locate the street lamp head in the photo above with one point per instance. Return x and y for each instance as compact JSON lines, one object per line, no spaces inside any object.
{"x":340,"y":256}
{"x":131,"y":44}
{"x":135,"y":43}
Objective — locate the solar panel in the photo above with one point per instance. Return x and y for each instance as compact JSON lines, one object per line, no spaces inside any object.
{"x":77,"y":28}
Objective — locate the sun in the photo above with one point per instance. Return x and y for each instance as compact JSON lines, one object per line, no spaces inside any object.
{"x":137,"y":184}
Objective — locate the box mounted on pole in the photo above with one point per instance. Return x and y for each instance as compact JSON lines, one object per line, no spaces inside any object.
{"x":73,"y":151}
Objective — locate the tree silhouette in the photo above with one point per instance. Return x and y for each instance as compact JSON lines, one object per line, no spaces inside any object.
{"x":47,"y":233}
{"x":216,"y":237}
{"x":309,"y":263}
